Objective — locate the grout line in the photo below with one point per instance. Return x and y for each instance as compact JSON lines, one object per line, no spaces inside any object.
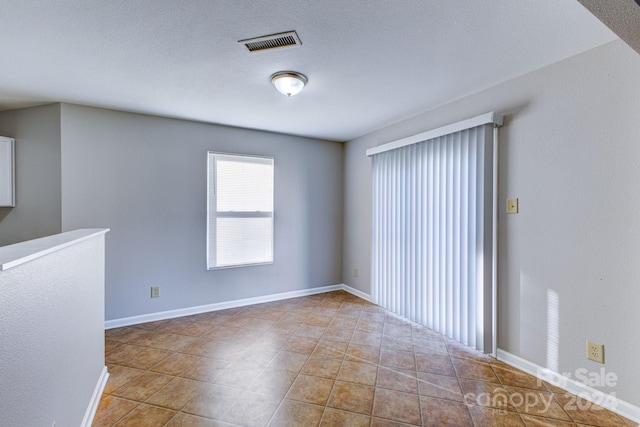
{"x":413,"y":341}
{"x":307,"y":306}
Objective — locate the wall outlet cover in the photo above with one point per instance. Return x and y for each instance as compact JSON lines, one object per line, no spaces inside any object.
{"x":595,"y":352}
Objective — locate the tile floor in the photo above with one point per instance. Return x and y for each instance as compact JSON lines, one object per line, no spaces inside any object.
{"x":330,"y":360}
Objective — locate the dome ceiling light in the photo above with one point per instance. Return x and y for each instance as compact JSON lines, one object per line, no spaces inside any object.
{"x":289,"y":83}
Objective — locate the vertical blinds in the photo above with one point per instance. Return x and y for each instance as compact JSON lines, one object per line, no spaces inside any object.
{"x":432,"y":236}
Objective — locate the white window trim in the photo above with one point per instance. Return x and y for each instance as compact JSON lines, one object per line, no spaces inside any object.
{"x":212,"y":209}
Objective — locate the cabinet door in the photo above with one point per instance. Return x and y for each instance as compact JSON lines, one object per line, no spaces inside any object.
{"x":7,"y":182}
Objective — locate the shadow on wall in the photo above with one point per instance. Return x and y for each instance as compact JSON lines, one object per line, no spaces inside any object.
{"x":4,"y":212}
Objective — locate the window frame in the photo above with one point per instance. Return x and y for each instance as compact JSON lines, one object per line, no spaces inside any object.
{"x":213,"y":214}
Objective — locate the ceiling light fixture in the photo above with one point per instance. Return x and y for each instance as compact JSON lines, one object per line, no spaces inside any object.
{"x":289,"y":82}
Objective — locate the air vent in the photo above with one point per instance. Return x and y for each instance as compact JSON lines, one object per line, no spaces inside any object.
{"x":273,"y":41}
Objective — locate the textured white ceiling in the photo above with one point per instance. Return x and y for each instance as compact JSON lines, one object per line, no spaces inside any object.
{"x":622,"y":16}
{"x":370,"y":63}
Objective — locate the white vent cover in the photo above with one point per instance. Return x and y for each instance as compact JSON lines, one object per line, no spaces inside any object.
{"x":273,"y":41}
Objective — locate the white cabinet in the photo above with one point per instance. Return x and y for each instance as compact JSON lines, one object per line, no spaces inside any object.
{"x":7,"y":173}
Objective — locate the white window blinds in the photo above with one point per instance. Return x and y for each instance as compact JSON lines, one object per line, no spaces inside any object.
{"x":239,"y":210}
{"x":432,"y":235}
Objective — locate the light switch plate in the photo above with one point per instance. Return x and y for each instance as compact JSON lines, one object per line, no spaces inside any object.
{"x":512,"y":206}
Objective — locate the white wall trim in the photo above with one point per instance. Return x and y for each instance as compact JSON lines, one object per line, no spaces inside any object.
{"x":171,"y":314}
{"x":612,"y":403}
{"x":95,"y":399}
{"x":356,"y":292}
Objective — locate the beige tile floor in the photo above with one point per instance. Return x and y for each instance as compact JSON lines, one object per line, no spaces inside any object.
{"x":331,"y":360}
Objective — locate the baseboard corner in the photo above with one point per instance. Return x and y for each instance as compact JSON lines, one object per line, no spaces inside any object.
{"x":95,"y":398}
{"x":356,"y":292}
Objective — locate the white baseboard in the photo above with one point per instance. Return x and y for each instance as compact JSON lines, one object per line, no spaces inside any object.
{"x":171,"y":314}
{"x":598,"y":397}
{"x":356,"y":292}
{"x":95,"y":399}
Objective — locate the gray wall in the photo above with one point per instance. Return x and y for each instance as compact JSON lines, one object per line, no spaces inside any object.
{"x":144,"y":177}
{"x":37,"y":211}
{"x":570,"y":150}
{"x":52,"y":329}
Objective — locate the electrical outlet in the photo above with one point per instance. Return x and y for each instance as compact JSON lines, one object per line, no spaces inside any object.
{"x":155,"y":291}
{"x":355,"y":272}
{"x":595,"y":352}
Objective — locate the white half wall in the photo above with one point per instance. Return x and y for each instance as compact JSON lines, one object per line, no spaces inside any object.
{"x":52,"y":329}
{"x":569,"y":262}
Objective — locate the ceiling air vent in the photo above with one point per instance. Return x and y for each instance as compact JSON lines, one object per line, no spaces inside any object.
{"x":273,"y":41}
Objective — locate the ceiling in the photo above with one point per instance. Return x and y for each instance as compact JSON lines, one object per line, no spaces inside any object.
{"x":622,"y":16}
{"x":370,"y":63}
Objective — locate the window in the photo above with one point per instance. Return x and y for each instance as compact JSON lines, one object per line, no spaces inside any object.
{"x":239,"y":210}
